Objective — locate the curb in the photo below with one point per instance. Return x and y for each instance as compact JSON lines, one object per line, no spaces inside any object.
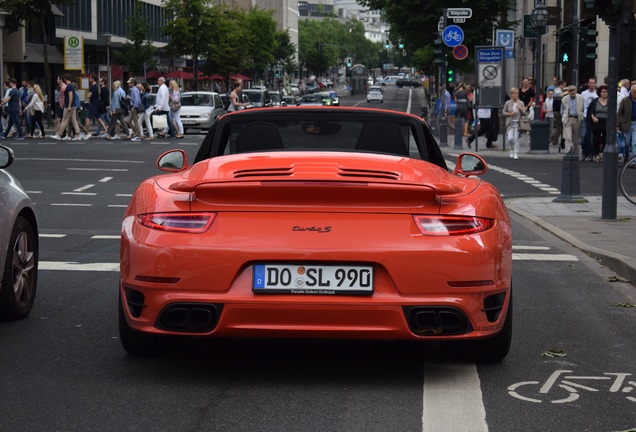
{"x":620,"y":264}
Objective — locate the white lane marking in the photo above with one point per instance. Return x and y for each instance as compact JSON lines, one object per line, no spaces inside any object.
{"x":124,"y":195}
{"x":84,"y":160}
{"x":526,"y":179}
{"x":408,"y":105}
{"x":75,"y":266}
{"x":106,"y":179}
{"x":106,"y":237}
{"x":84,"y":188}
{"x":33,"y":192}
{"x":71,"y":205}
{"x":453,"y":399}
{"x":52,"y":235}
{"x":543,"y":257}
{"x":522,"y":247}
{"x":79,"y":193}
{"x":98,"y":169}
{"x":118,"y":205}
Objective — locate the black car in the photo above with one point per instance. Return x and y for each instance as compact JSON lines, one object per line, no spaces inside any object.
{"x":407,"y":82}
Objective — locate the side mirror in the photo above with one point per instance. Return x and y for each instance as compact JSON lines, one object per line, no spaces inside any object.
{"x":6,"y":156}
{"x":173,"y":161}
{"x":469,"y":164}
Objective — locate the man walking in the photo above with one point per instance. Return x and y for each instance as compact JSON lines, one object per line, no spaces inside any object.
{"x":586,"y":135}
{"x":13,"y":100}
{"x":627,"y":121}
{"x":162,"y":106}
{"x":69,"y":111}
{"x":93,"y":106}
{"x":571,"y":116}
{"x":134,"y":101}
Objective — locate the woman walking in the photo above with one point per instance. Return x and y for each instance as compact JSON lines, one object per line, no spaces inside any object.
{"x":597,"y":118}
{"x":38,"y":106}
{"x":175,"y":107}
{"x":144,"y":118}
{"x":512,"y":111}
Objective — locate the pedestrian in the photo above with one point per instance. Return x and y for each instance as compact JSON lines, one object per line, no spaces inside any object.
{"x":37,"y":103}
{"x":527,"y":95}
{"x":557,"y":132}
{"x":104,"y":109}
{"x":13,"y":101}
{"x":572,"y":116}
{"x":59,"y":106}
{"x":461,"y":107}
{"x":485,"y":126}
{"x":71,"y":101}
{"x":235,"y":105}
{"x":25,"y":115}
{"x":548,"y":110}
{"x":627,"y":121}
{"x":513,"y":110}
{"x":597,"y":119}
{"x":175,"y":107}
{"x":144,"y":89}
{"x":116,"y":113}
{"x":162,"y":106}
{"x":586,"y":131}
{"x":94,"y":105}
{"x":134,"y":101}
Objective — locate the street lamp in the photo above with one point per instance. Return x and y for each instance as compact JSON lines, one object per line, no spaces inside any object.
{"x":539,"y":140}
{"x":108,"y":37}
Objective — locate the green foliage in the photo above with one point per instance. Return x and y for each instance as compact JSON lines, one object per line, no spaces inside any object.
{"x":260,"y":39}
{"x":141,"y":50}
{"x":284,"y":51}
{"x":23,"y":10}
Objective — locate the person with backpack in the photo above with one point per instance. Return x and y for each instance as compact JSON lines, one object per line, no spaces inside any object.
{"x":71,"y":103}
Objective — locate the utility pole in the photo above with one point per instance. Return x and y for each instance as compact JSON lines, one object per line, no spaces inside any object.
{"x":574,"y":58}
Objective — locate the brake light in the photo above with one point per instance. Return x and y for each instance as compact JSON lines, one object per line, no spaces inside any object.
{"x":190,"y":223}
{"x":437,"y":225}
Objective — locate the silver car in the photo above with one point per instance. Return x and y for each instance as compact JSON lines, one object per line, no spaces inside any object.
{"x":18,"y":245}
{"x":199,"y":109}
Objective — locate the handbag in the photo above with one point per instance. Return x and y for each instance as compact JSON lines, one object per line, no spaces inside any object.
{"x":160,"y":121}
{"x":174,"y":105}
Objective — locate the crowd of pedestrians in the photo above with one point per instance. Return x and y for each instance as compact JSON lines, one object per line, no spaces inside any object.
{"x":126,"y":110}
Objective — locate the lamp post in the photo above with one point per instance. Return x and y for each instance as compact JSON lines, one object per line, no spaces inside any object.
{"x":108,"y":37}
{"x":539,"y":141}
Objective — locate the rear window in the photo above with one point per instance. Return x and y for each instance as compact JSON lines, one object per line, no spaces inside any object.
{"x":254,"y":96}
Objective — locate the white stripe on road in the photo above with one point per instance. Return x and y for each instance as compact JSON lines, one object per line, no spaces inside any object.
{"x":452,"y":399}
{"x":543,"y":257}
{"x":52,"y":235}
{"x":118,"y":205}
{"x":83,"y":188}
{"x":79,"y":193}
{"x":106,"y":237}
{"x":124,"y":195}
{"x":522,"y":247}
{"x":106,"y":179}
{"x":71,"y":205}
{"x":74,"y":266}
{"x":98,"y":169}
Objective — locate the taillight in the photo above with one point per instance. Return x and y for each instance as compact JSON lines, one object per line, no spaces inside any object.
{"x":191,"y":223}
{"x":452,"y":225}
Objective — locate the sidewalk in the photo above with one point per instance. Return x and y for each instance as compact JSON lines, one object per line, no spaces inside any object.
{"x":612,"y":242}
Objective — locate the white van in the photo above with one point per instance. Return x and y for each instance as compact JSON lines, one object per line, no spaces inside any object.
{"x":389,"y":80}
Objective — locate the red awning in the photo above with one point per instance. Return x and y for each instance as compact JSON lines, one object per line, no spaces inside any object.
{"x":154,"y":74}
{"x":180,"y":74}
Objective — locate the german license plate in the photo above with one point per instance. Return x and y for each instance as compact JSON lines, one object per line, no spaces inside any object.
{"x":313,"y":279}
{"x":188,"y":122}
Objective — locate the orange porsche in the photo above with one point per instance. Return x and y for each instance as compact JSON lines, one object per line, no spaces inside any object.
{"x":321,"y":222}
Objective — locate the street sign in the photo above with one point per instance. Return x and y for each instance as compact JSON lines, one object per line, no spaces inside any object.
{"x":489,"y":70}
{"x":510,"y":53}
{"x":489,"y":75}
{"x":489,"y":55}
{"x":506,"y":38}
{"x":459,"y":13}
{"x":460,"y":52}
{"x":453,"y":35}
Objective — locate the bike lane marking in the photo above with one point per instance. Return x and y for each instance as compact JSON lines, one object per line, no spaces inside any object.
{"x":452,"y":399}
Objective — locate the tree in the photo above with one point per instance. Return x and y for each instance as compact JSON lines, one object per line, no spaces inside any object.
{"x":140,"y":52}
{"x":284,"y":50}
{"x":407,"y":18}
{"x":189,"y":29}
{"x":260,"y":39}
{"x":21,"y":11}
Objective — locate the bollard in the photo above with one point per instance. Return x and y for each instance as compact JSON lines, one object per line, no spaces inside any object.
{"x":458,"y":134}
{"x":570,"y":181}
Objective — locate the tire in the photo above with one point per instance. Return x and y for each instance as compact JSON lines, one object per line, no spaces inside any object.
{"x":137,"y":343}
{"x":19,"y":282}
{"x":368,"y":101}
{"x":491,"y":350}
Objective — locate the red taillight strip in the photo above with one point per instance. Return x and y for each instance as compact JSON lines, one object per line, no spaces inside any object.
{"x":439,"y":225}
{"x":190,"y":223}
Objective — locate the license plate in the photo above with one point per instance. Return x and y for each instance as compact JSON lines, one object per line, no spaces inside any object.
{"x":188,"y":122}
{"x":313,"y":279}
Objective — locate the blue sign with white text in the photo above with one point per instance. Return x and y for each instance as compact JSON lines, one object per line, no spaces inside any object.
{"x":489,"y":55}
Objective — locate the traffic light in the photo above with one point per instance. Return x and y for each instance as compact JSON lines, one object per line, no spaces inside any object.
{"x":277,"y":73}
{"x":451,"y":76}
{"x":439,"y":51}
{"x":565,"y":44}
{"x":387,"y":45}
{"x":607,"y":9}
{"x":588,"y":43}
{"x":349,"y":62}
{"x":401,"y":45}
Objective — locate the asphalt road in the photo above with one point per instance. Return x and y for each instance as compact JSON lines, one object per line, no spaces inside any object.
{"x":63,"y":368}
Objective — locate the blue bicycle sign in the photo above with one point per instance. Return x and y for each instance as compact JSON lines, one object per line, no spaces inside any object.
{"x":453,"y":35}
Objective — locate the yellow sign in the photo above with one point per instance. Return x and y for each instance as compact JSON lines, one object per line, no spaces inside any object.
{"x":74,"y":53}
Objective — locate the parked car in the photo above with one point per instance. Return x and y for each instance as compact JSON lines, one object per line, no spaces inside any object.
{"x":290,"y":100}
{"x":317,"y":222}
{"x":200,"y":109}
{"x":258,"y":97}
{"x":389,"y":80}
{"x":375,"y":94}
{"x":311,"y":100}
{"x":19,"y":245}
{"x":408,"y":82}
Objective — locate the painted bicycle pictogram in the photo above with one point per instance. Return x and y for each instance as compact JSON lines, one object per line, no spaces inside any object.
{"x":562,"y":388}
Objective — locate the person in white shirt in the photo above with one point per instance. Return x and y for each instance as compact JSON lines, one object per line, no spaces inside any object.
{"x":162,"y":106}
{"x":37,"y":103}
{"x":624,"y":87}
{"x":586,"y":135}
{"x":548,"y":109}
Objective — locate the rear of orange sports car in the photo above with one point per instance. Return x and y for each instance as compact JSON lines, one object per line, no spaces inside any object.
{"x":317,"y":245}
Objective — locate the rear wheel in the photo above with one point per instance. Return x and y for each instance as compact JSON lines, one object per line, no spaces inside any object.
{"x":627,"y":179}
{"x":20,"y":274}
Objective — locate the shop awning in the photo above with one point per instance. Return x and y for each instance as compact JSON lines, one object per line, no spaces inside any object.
{"x":33,"y":54}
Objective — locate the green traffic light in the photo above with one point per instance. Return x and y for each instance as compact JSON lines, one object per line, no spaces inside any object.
{"x":565,"y":58}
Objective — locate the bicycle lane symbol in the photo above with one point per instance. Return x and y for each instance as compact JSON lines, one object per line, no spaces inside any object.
{"x":570,"y":386}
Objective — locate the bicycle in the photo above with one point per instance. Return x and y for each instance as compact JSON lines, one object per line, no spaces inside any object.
{"x":627,"y":179}
{"x":557,"y":380}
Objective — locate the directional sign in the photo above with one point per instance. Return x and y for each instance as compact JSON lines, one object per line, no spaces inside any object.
{"x":506,"y":38}
{"x":453,"y":35}
{"x":460,"y":52}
